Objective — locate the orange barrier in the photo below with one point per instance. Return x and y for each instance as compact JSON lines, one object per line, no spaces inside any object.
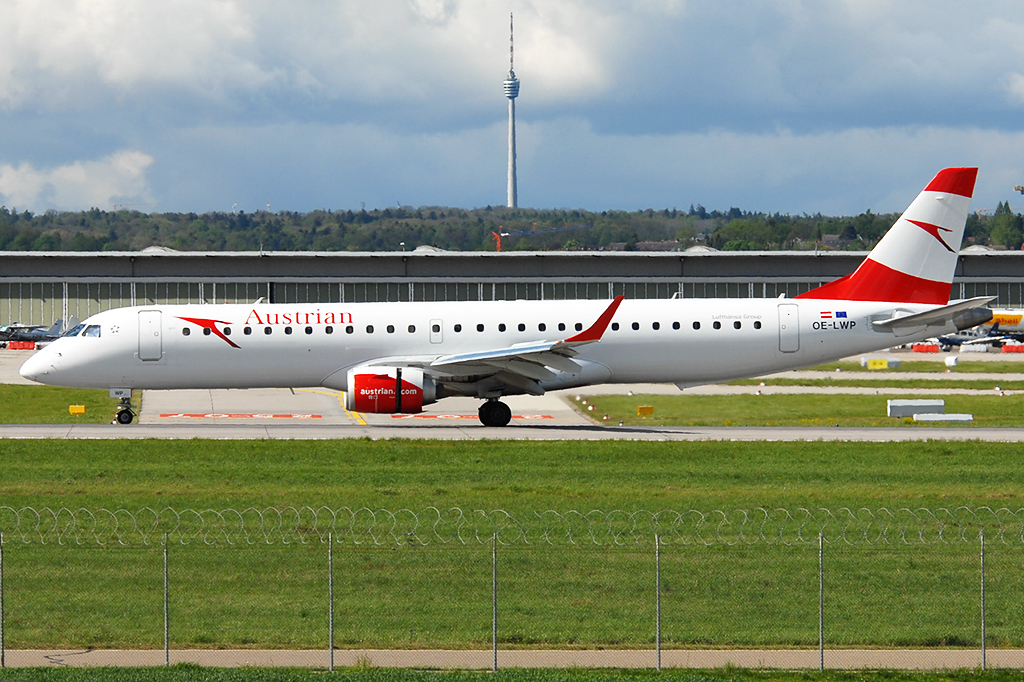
{"x":925,"y":348}
{"x":1014,"y":348}
{"x":21,"y":345}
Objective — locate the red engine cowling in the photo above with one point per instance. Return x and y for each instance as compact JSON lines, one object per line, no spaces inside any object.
{"x":388,"y":390}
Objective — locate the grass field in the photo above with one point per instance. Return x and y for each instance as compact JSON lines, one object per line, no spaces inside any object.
{"x":550,"y":596}
{"x":518,"y":476}
{"x":24,"y":404}
{"x":794,"y":410}
{"x":891,"y":382}
{"x":965,"y":366}
{"x":191,"y":673}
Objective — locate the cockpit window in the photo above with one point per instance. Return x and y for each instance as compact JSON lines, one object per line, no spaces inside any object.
{"x":92,"y":330}
{"x":74,"y":331}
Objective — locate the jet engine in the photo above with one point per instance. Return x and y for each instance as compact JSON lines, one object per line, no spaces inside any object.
{"x":389,"y":390}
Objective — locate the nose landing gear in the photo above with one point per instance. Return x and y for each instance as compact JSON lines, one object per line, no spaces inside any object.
{"x":125,"y":412}
{"x":495,"y":413}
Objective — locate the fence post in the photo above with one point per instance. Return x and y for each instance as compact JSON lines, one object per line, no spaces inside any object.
{"x":657,"y":597}
{"x":167,"y":610}
{"x":3,"y":613}
{"x":494,"y":602}
{"x":821,"y":601}
{"x":330,"y":597}
{"x":984,"y":652}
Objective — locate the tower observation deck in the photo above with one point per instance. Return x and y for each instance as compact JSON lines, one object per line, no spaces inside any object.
{"x":511,"y":91}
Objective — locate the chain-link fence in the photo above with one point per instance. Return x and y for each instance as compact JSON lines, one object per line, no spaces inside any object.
{"x":447,"y":587}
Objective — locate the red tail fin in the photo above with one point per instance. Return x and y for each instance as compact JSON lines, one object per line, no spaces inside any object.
{"x":915,"y":260}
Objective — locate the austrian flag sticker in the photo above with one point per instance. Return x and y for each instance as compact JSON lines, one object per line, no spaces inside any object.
{"x":828,"y":315}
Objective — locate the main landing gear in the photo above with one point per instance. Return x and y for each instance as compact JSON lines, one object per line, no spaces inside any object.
{"x":495,"y":413}
{"x":125,"y":412}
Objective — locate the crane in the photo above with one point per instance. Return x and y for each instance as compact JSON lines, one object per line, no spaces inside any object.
{"x":499,"y":234}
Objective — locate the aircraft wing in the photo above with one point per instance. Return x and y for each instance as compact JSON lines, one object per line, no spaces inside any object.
{"x":522,"y":366}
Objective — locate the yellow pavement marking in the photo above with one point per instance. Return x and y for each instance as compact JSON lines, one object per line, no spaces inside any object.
{"x":340,"y":395}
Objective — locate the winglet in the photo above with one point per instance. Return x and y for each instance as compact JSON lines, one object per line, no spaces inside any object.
{"x":595,"y":331}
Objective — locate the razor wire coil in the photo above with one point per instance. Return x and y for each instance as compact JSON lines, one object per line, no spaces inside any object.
{"x":366,"y":527}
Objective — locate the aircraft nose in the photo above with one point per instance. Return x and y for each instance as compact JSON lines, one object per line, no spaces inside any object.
{"x":37,"y":367}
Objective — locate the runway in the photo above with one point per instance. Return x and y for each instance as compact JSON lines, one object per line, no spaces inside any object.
{"x":474,"y":431}
{"x":320,"y":414}
{"x":788,"y":659}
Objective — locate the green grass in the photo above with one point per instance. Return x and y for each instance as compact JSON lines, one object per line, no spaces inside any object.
{"x":937,"y":383}
{"x":193,"y":673}
{"x":847,"y":410}
{"x":513,"y":475}
{"x":965,"y":366}
{"x":274,"y":595}
{"x":25,"y":404}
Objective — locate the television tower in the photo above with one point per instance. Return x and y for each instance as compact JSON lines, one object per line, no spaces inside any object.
{"x":511,"y":91}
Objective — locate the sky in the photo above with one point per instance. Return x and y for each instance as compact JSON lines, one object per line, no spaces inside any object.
{"x":792,"y":106}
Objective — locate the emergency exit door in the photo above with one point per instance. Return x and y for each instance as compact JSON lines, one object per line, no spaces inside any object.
{"x":151,"y":346}
{"x":789,"y":327}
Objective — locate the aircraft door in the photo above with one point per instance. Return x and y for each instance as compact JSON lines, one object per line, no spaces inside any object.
{"x":436,"y":332}
{"x":789,"y":327}
{"x":150,"y":335}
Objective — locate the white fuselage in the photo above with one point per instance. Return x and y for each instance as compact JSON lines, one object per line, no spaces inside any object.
{"x":156,"y":347}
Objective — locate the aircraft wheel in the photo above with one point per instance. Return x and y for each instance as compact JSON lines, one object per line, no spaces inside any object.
{"x":125,"y":417}
{"x":495,"y":413}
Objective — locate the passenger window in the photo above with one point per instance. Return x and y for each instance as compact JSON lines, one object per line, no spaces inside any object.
{"x":717,"y":325}
{"x":757,"y":324}
{"x":309,"y":330}
{"x":501,"y":327}
{"x":349,"y":329}
{"x":287,"y":330}
{"x":675,"y":325}
{"x":227,"y":331}
{"x":635,"y":326}
{"x":435,"y":328}
{"x":736,"y":324}
{"x":247,"y":331}
{"x":522,"y":327}
{"x":657,"y":326}
{"x":268,"y":331}
{"x":542,"y":327}
{"x":412,"y":328}
{"x":391,"y":329}
{"x":479,"y":327}
{"x":579,"y":326}
{"x":458,"y":328}
{"x":696,"y":325}
{"x":615,"y":326}
{"x":206,"y":332}
{"x":92,"y":330}
{"x":185,"y":331}
{"x":561,"y":326}
{"x":369,"y":329}
{"x":330,"y":330}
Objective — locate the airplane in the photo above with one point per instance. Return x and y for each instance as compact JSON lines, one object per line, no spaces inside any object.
{"x":20,"y":332}
{"x":976,"y":336}
{"x":394,"y":358}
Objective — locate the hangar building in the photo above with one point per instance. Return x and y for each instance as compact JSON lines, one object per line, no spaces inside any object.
{"x":40,"y":287}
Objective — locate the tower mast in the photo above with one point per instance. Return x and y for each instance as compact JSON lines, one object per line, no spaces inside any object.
{"x":511,"y":91}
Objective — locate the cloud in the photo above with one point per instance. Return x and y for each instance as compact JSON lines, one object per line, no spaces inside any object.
{"x":568,"y":163}
{"x":78,"y":185}
{"x":1015,"y":88}
{"x":832,"y":105}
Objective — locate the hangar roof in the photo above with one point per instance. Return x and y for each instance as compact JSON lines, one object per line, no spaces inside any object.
{"x":531,"y":265}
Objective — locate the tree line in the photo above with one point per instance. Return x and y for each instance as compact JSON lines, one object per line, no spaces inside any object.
{"x":457,"y":229}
